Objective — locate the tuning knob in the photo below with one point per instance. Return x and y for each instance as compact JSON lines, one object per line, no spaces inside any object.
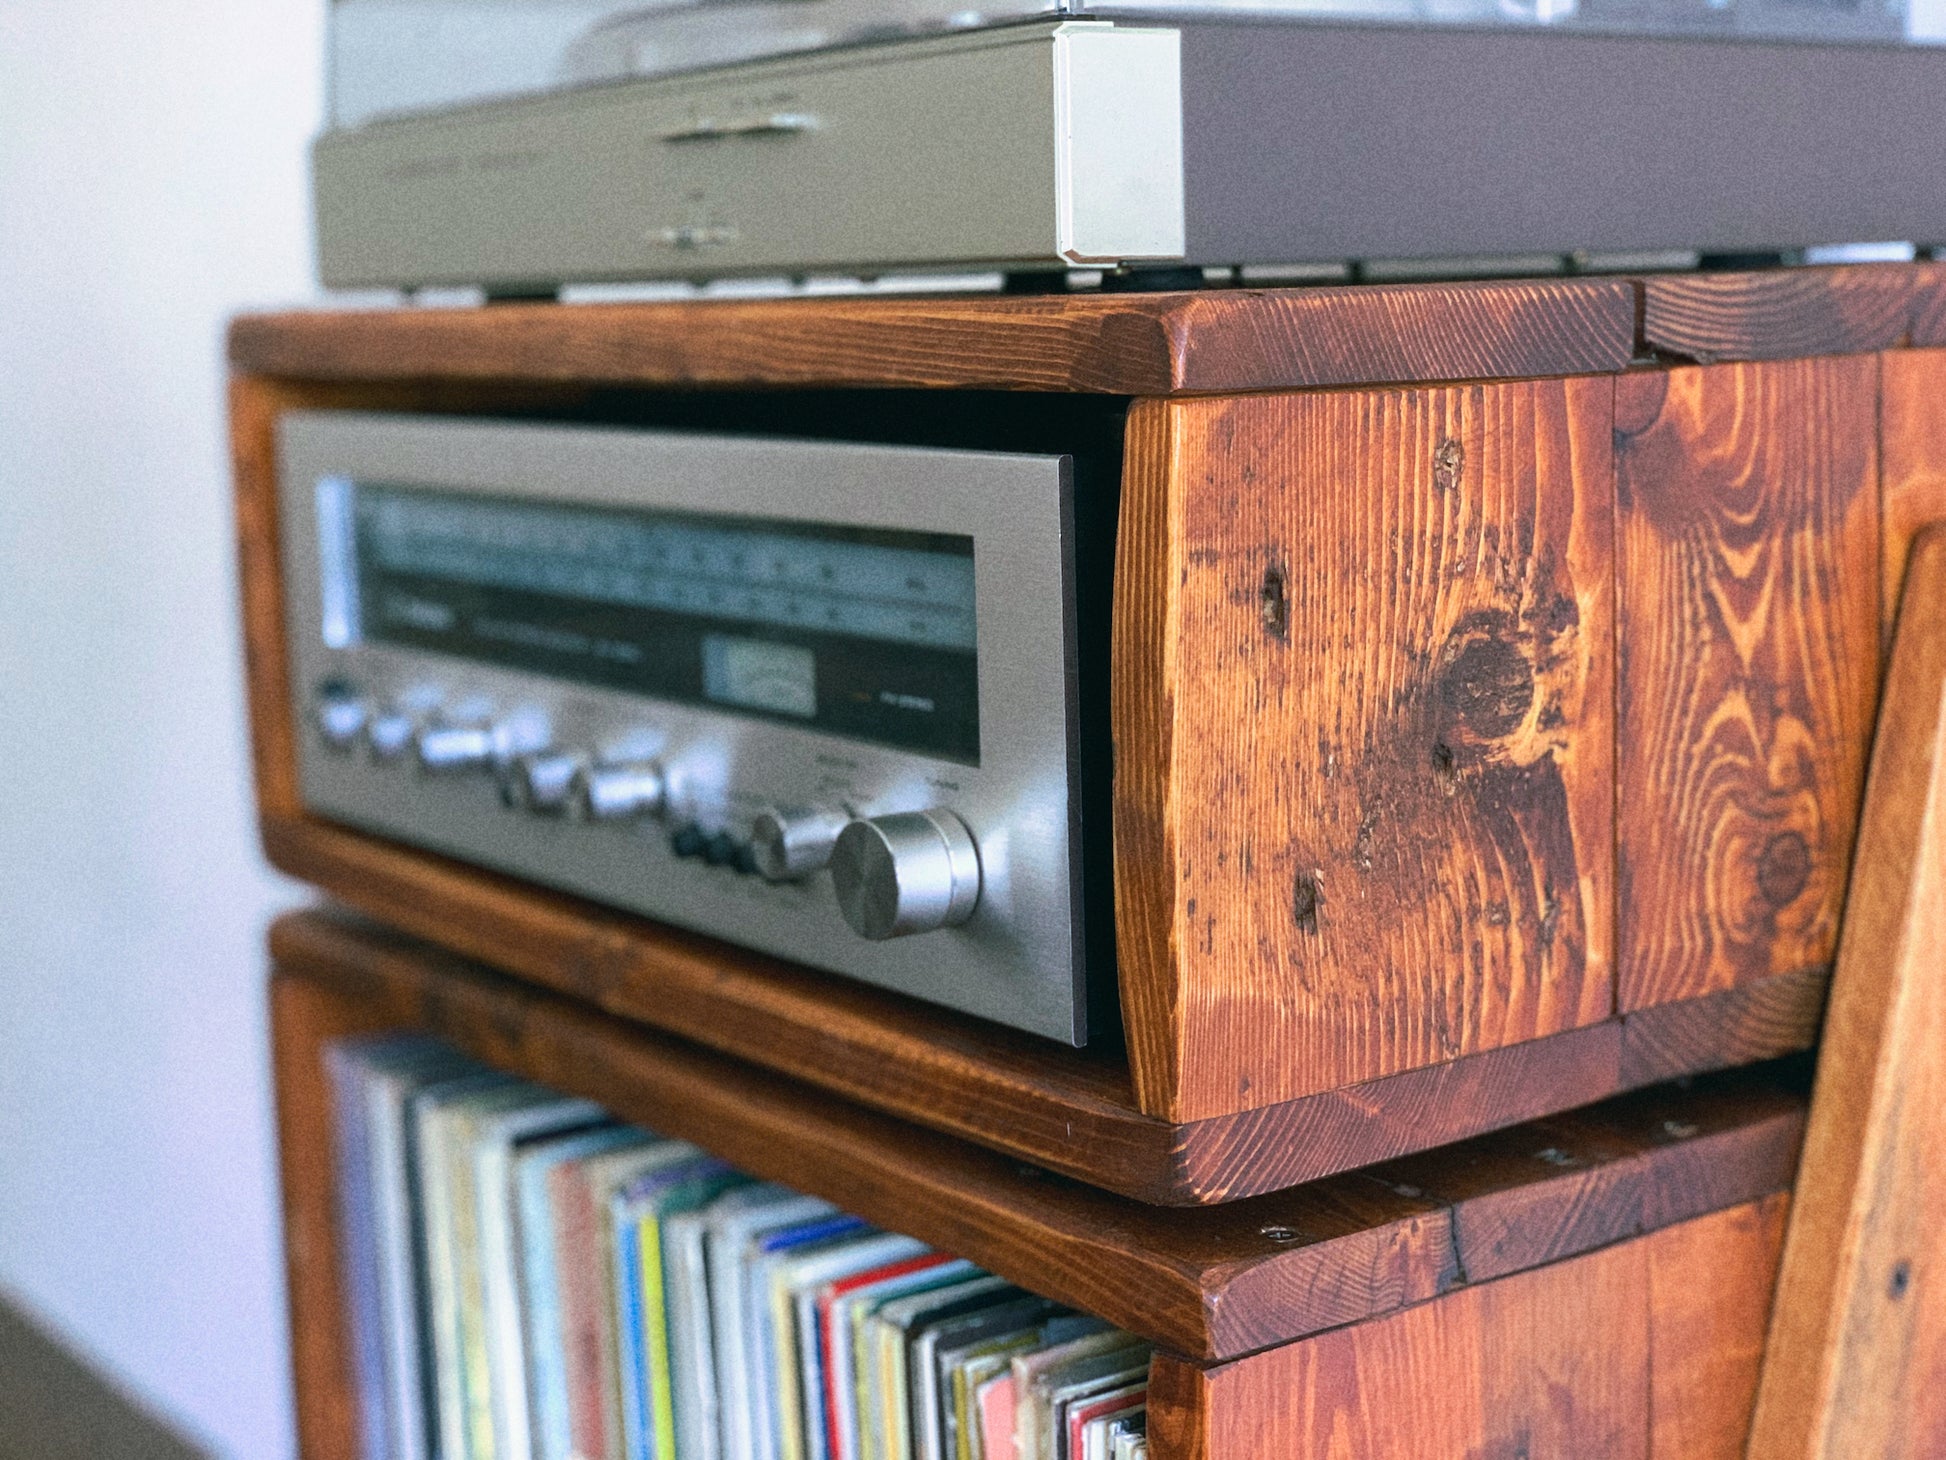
{"x":788,"y":842}
{"x":910,"y":872}
{"x":619,"y":790}
{"x":543,"y":781}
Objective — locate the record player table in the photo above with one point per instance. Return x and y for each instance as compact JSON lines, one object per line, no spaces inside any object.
{"x":1494,"y":670}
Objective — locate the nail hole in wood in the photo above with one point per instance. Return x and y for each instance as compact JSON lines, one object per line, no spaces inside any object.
{"x":1447,"y":463}
{"x":1306,"y":894}
{"x":1275,"y":1233}
{"x":1275,"y":603}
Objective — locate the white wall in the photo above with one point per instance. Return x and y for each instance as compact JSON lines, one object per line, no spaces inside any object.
{"x":151,"y":183}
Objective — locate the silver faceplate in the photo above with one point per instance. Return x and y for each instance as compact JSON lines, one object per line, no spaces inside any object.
{"x":1043,"y":146}
{"x":1019,"y":959}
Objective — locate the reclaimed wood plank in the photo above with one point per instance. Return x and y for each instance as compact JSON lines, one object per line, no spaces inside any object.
{"x":1912,"y":460}
{"x":1710,"y":1286}
{"x":1126,"y":344}
{"x":1645,"y":1350}
{"x":1737,"y":1026}
{"x":1548,"y":1363}
{"x":1929,"y":305}
{"x":1775,"y":314}
{"x":1857,"y":1352}
{"x":1365,"y":736}
{"x":1747,"y":555}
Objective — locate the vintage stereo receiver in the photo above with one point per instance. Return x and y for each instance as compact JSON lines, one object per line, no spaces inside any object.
{"x":524,"y":147}
{"x":817,"y":698}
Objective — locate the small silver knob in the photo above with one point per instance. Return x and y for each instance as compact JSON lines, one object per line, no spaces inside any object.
{"x":789,"y":842}
{"x":543,"y":781}
{"x":468,"y":745}
{"x":910,"y":872}
{"x":341,"y":718}
{"x":444,"y":748}
{"x":390,"y":734}
{"x":616,"y":791}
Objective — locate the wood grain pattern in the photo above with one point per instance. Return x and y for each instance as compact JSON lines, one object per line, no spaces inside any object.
{"x":1754,"y":1021}
{"x":1710,"y":1287}
{"x":1747,"y":553}
{"x":1208,"y":1282}
{"x":1364,"y":746}
{"x":1127,"y":344}
{"x":1857,"y":1355}
{"x":1912,"y":459}
{"x":1568,"y":1362}
{"x":1929,"y":308}
{"x":1775,"y":314}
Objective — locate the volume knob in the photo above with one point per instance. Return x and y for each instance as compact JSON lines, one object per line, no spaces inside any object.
{"x":909,"y":872}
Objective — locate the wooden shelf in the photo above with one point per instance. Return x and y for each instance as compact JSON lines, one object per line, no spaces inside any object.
{"x":1127,"y":344}
{"x":1209,"y":1284}
{"x":1070,"y":1111}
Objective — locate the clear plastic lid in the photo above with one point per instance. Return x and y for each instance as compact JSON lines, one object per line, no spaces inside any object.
{"x":395,"y":57}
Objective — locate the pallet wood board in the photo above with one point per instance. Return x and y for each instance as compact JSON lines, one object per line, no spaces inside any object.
{"x":1857,"y":1354}
{"x":1647,"y":1350}
{"x":1748,"y":562}
{"x":1208,"y":1283}
{"x":1777,"y":314}
{"x":1365,"y":734}
{"x":1123,"y":344}
{"x":1912,"y":465}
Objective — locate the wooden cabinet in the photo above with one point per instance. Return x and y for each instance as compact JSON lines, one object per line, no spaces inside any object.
{"x":1493,"y":667}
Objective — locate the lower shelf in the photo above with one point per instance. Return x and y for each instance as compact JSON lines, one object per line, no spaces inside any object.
{"x":1062,"y":1109}
{"x":1549,"y":1280}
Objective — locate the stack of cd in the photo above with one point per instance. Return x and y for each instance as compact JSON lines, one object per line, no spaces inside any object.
{"x":529,"y":1279}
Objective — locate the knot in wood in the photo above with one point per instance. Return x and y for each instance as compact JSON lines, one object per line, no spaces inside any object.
{"x":1485,"y":688}
{"x":1783,"y":868}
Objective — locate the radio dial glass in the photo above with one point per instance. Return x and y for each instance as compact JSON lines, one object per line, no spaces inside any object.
{"x":865,"y":633}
